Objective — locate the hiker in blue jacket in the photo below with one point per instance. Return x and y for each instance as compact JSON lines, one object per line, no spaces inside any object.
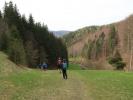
{"x":64,"y":69}
{"x":44,"y":66}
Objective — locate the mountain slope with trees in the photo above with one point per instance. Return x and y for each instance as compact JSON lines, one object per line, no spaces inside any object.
{"x":28,"y":42}
{"x":96,"y":47}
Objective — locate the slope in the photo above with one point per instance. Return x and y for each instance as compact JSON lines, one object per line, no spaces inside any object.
{"x":96,"y":46}
{"x":6,"y":66}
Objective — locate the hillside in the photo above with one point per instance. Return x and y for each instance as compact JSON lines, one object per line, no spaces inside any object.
{"x":76,"y":36}
{"x":96,"y":46}
{"x":6,"y":66}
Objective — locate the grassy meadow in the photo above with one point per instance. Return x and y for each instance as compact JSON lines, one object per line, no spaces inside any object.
{"x":18,"y":83}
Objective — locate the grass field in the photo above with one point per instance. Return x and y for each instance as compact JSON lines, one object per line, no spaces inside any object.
{"x":74,"y":67}
{"x":29,"y":84}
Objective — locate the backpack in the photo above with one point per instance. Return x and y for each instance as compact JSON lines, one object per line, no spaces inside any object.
{"x":64,"y":65}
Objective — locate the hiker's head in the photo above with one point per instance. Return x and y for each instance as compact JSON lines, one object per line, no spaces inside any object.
{"x":64,"y":60}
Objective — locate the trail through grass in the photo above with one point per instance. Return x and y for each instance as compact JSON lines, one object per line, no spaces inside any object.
{"x":30,"y":84}
{"x":81,"y":85}
{"x":42,"y":85}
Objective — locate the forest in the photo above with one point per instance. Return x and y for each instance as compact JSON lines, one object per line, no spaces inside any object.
{"x":26,"y":41}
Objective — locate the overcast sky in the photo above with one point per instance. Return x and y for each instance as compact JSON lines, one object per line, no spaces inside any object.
{"x":74,"y":14}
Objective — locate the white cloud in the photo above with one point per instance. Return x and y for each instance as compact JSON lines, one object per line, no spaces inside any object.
{"x":74,"y":14}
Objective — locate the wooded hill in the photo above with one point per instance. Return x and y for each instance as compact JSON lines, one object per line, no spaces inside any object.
{"x":28,"y":42}
{"x":96,"y":44}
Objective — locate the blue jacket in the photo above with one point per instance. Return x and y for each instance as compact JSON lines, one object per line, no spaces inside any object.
{"x":64,"y":66}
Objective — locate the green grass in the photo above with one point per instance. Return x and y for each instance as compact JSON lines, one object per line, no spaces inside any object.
{"x":81,"y":85}
{"x":74,"y":67}
{"x":6,"y":66}
{"x":109,"y":85}
{"x":41,"y":85}
{"x":29,"y":84}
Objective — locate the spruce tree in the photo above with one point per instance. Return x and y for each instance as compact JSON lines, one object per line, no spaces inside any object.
{"x":31,"y":20}
{"x":0,"y":15}
{"x":16,"y":49}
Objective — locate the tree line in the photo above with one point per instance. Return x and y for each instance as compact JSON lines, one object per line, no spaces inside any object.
{"x":28,"y":42}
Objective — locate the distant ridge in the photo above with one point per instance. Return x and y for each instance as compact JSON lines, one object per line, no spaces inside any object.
{"x":60,"y":33}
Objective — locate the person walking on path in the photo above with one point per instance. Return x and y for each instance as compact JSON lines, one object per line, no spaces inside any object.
{"x":59,"y":64}
{"x":44,"y":66}
{"x":64,"y":69}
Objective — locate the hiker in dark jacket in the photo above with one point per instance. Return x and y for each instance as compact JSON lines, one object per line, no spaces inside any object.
{"x":59,"y":64}
{"x":64,"y":69}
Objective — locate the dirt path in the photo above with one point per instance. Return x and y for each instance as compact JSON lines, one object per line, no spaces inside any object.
{"x":71,"y":89}
{"x":44,"y":85}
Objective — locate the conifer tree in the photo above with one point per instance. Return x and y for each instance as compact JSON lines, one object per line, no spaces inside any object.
{"x":16,"y":49}
{"x":0,"y":15}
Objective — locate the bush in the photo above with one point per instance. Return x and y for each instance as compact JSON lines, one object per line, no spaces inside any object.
{"x":116,"y":61}
{"x":113,"y":60}
{"x":120,"y":65}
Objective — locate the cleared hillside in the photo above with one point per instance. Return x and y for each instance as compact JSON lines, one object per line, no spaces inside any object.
{"x":102,"y":43}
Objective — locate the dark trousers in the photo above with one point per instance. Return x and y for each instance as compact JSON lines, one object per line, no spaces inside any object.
{"x":60,"y":67}
{"x":64,"y":73}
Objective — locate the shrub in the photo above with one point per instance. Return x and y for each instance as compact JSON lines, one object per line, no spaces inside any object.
{"x":116,"y":61}
{"x":120,"y":65}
